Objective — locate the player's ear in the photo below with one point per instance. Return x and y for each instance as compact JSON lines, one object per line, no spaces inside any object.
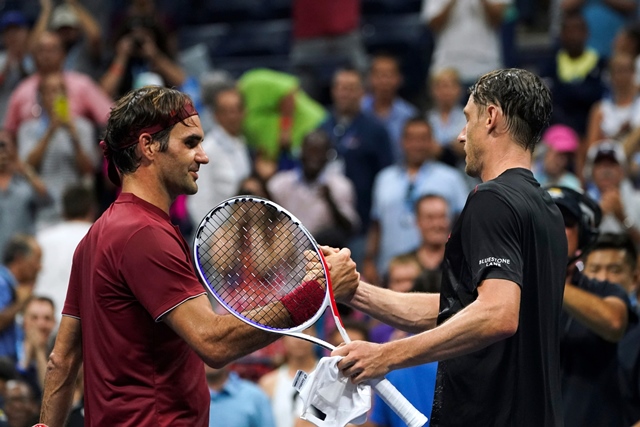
{"x":494,"y":114}
{"x":147,"y":145}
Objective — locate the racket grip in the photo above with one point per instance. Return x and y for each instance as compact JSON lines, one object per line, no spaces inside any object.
{"x":400,"y":405}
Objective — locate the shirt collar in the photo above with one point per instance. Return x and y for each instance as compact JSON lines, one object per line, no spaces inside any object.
{"x":230,"y":387}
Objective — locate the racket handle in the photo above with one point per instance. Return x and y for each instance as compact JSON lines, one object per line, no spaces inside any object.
{"x":400,"y":405}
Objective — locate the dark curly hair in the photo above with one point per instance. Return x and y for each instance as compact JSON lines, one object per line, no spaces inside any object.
{"x":138,"y":110}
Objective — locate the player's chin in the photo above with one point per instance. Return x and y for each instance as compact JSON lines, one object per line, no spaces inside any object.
{"x":191,"y":188}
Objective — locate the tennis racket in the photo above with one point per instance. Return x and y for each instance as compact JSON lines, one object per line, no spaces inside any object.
{"x":265,"y":268}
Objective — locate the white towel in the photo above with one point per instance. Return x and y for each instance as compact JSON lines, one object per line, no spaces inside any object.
{"x":326,"y":390}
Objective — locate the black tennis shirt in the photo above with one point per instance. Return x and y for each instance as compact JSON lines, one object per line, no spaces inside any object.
{"x":509,"y":229}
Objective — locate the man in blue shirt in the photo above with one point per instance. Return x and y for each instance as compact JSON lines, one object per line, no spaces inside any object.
{"x":361,"y":142}
{"x":21,"y":264}
{"x":236,"y":402}
{"x":383,"y":101}
{"x":396,"y":189}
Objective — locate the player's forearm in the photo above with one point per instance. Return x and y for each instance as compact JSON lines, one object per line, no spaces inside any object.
{"x":472,"y":329}
{"x":412,"y":312}
{"x":217,"y":339}
{"x":59,"y":384}
{"x":231,"y":339}
{"x":606,"y":318}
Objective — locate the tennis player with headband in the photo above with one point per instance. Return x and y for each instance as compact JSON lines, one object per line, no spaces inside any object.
{"x":495,"y":326}
{"x":136,"y":317}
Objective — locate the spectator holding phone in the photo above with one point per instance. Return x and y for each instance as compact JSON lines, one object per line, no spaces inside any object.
{"x":60,"y":146}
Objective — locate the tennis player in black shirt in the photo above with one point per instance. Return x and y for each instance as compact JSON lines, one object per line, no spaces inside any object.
{"x":495,"y":326}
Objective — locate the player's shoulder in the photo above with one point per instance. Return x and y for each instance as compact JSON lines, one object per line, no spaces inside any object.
{"x":511,"y":185}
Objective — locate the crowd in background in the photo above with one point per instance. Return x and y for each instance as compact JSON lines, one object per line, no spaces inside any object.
{"x":341,"y":134}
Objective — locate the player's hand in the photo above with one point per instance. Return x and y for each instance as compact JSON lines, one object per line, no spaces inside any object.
{"x":344,"y":276}
{"x":362,"y":361}
{"x":313,"y":268}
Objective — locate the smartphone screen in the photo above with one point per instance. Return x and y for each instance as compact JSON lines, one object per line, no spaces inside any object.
{"x":61,"y":108}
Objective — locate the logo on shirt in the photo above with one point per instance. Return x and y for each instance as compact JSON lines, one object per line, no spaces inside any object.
{"x":494,"y":262}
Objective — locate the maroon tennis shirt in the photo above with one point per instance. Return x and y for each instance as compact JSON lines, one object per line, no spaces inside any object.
{"x":131,"y":269}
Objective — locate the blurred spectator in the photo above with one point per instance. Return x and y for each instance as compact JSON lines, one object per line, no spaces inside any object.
{"x":256,"y":186}
{"x":278,"y":114}
{"x":7,"y":372}
{"x":236,"y":402}
{"x":555,"y":158}
{"x":385,"y":79}
{"x":356,"y":330}
{"x":614,"y":259}
{"x":459,"y":28}
{"x":322,"y":198}
{"x":85,"y":98}
{"x":628,"y":41}
{"x":604,"y":19}
{"x":21,"y":407}
{"x":21,"y":264}
{"x":574,"y":75}
{"x":594,"y":318}
{"x":631,"y":148}
{"x":326,"y":34}
{"x":15,"y":62}
{"x":58,"y":144}
{"x":58,"y":243}
{"x":417,"y":383}
{"x":401,"y":277}
{"x":396,"y":189}
{"x":210,"y":83}
{"x":35,"y":340}
{"x":146,"y":11}
{"x":618,"y":113}
{"x":80,"y":34}
{"x":433,"y":219}
{"x":608,"y":184}
{"x":229,"y":159}
{"x":446,"y":117}
{"x":142,"y":57}
{"x":362,"y":144}
{"x":285,"y":401}
{"x":22,"y":193}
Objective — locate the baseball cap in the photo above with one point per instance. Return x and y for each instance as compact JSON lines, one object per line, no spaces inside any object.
{"x":607,"y":149}
{"x":63,"y":16}
{"x":13,"y":18}
{"x":561,"y":138}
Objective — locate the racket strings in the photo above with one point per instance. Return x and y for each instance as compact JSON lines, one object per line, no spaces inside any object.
{"x":261,"y":265}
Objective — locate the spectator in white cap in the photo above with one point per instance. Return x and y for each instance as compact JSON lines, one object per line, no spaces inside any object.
{"x":555,"y":162}
{"x":609,"y":185}
{"x":79,"y":31}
